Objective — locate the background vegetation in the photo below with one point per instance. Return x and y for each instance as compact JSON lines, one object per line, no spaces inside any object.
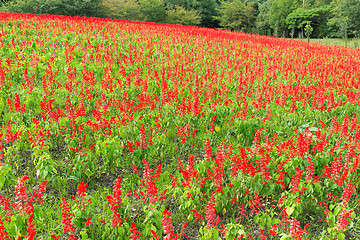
{"x":280,"y":18}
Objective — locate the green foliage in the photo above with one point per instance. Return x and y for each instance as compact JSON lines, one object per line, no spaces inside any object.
{"x":59,"y":7}
{"x":301,"y":16}
{"x":206,"y":9}
{"x":279,"y":11}
{"x":30,"y":6}
{"x":345,"y":18}
{"x":153,"y":10}
{"x":236,"y":15}
{"x":170,"y":4}
{"x":81,"y":7}
{"x":308,"y":30}
{"x":122,"y":9}
{"x":179,"y":15}
{"x":263,"y":18}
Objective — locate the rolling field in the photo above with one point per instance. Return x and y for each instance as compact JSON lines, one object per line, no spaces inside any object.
{"x":127,"y":130}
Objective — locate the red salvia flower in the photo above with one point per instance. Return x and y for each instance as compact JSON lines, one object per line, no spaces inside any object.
{"x":336,"y":169}
{"x":115,"y":201}
{"x":72,"y":237}
{"x":154,"y":234}
{"x":158,"y":172}
{"x":21,"y":197}
{"x":67,"y":217}
{"x":295,"y":230}
{"x":263,"y":236}
{"x":31,"y":228}
{"x":212,"y":126}
{"x":197,"y":215}
{"x":2,"y":76}
{"x":273,"y":230}
{"x":353,"y":123}
{"x":3,"y":233}
{"x":82,"y":190}
{"x":309,"y":170}
{"x":241,"y":212}
{"x":326,"y":211}
{"x":131,"y":149}
{"x":207,"y":149}
{"x":142,"y":137}
{"x":168,"y":228}
{"x":191,"y":168}
{"x":135,"y":234}
{"x":295,"y":181}
{"x":210,"y":211}
{"x":88,"y":221}
{"x":348,"y":191}
{"x":343,"y":219}
{"x":345,"y":126}
{"x":149,"y":183}
{"x":184,"y":229}
{"x":117,"y":191}
{"x":219,"y":167}
{"x":135,"y":168}
{"x":39,"y":192}
{"x":173,"y":180}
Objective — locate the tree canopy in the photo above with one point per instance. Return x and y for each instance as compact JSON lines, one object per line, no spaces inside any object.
{"x":236,"y":15}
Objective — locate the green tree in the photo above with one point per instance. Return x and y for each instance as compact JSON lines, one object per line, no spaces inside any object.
{"x":263,"y":18}
{"x":319,"y":3}
{"x":345,"y":18}
{"x":206,"y":9}
{"x":61,"y":7}
{"x":153,"y":10}
{"x":179,"y":15}
{"x":32,"y":6}
{"x":308,"y":30}
{"x":236,"y":15}
{"x":301,"y":16}
{"x":170,"y":4}
{"x":81,"y":7}
{"x":121,"y":9}
{"x":278,"y":13}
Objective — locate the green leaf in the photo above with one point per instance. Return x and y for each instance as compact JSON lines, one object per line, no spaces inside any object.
{"x":337,"y":210}
{"x":241,"y":232}
{"x":341,"y":236}
{"x":2,"y":181}
{"x":275,"y":221}
{"x":285,"y":236}
{"x":88,"y":173}
{"x":289,"y":210}
{"x":84,"y":235}
{"x":256,"y":219}
{"x":268,"y":220}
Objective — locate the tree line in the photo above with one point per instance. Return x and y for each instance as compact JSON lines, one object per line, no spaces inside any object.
{"x":281,"y":18}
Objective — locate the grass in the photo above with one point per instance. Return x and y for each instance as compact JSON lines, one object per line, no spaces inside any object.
{"x":353,"y":43}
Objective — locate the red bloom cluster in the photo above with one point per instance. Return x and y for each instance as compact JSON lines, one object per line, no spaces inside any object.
{"x":115,"y":202}
{"x":67,"y":215}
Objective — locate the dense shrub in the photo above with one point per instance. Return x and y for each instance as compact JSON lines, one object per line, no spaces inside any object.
{"x":180,"y":15}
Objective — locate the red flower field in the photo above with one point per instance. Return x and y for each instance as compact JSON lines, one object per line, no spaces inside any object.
{"x":113,"y":129}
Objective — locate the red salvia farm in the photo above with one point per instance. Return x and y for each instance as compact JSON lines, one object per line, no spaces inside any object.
{"x":114,"y":129}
